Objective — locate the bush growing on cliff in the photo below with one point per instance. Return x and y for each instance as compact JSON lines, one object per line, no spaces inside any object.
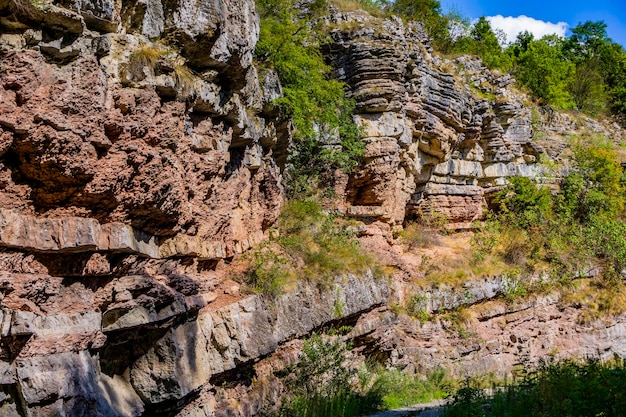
{"x":313,"y":245}
{"x":326,"y":137}
{"x":321,"y":240}
{"x":568,"y":232}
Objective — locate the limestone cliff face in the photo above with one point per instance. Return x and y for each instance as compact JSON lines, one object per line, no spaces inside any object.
{"x":435,"y":146}
{"x":133,"y":170}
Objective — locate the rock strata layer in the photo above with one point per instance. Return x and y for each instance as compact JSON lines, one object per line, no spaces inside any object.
{"x":435,"y":147}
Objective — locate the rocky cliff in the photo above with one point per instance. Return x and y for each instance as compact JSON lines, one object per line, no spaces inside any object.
{"x":139,"y":156}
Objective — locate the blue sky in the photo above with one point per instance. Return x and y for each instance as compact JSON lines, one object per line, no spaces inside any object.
{"x":572,"y":12}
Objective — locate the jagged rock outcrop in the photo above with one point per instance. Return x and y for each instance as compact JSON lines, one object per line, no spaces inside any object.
{"x":435,"y":148}
{"x":131,"y":172}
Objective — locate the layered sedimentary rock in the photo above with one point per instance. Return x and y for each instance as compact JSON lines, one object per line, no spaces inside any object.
{"x":131,"y":172}
{"x":493,"y":337}
{"x":139,"y":156}
{"x":435,"y":147}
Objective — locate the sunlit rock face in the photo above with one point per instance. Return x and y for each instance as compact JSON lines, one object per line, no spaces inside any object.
{"x":437,"y":143}
{"x":139,"y":157}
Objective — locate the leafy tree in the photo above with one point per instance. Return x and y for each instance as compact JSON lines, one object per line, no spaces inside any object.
{"x":458,"y":30}
{"x":587,"y":87}
{"x":483,"y":41}
{"x":613,"y":68}
{"x":429,"y":13}
{"x":521,"y":44}
{"x":315,"y":102}
{"x":542,"y":68}
{"x":586,"y":41}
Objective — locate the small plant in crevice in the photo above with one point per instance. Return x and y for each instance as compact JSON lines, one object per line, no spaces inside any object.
{"x":457,"y":321}
{"x":143,"y":62}
{"x":184,"y":80}
{"x":417,"y":307}
{"x":513,"y":287}
{"x":338,"y":305}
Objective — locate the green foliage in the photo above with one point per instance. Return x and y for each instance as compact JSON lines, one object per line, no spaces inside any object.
{"x":524,"y":202}
{"x":595,"y":187}
{"x":429,"y":13}
{"x":513,"y":286}
{"x":322,"y":241}
{"x":486,"y":45}
{"x":560,"y":389}
{"x":268,"y":272}
{"x":600,"y":62}
{"x":312,"y":245}
{"x":606,"y":239}
{"x":322,"y":369}
{"x":580,"y":226}
{"x":587,"y":87}
{"x":400,"y":389}
{"x":586,"y":41}
{"x":416,"y":307}
{"x":541,"y":67}
{"x":326,"y":137}
{"x":323,"y":383}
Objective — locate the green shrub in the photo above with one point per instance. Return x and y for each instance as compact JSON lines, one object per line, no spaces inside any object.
{"x":400,"y":389}
{"x":524,"y":203}
{"x":596,"y":185}
{"x":321,"y":240}
{"x":567,"y":388}
{"x":324,"y":384}
{"x":268,"y":272}
{"x":568,"y":232}
{"x":312,"y":245}
{"x":416,"y":307}
{"x":326,"y":137}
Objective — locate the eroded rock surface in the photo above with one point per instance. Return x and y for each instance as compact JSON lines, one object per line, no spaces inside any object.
{"x":435,"y":147}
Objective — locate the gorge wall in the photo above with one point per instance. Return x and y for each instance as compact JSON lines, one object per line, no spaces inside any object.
{"x":139,"y":155}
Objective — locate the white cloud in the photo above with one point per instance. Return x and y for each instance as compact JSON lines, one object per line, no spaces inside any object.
{"x":511,"y":26}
